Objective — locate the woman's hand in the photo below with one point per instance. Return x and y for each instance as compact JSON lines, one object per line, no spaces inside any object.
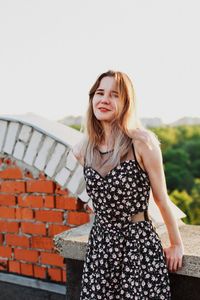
{"x":174,"y":257}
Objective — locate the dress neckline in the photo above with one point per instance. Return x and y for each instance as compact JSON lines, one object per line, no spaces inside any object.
{"x":117,"y":167}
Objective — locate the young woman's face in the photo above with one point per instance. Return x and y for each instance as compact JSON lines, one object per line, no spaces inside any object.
{"x":106,"y":100}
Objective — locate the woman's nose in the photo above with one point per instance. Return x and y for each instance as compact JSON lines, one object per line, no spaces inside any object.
{"x":105,"y":99}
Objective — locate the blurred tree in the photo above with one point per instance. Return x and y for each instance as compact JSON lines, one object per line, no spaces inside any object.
{"x":195,"y":206}
{"x":177,"y":169}
{"x":77,"y":127}
{"x":166,"y":135}
{"x":183,"y":200}
{"x":192,"y":147}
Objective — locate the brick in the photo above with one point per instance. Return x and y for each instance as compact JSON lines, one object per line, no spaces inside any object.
{"x":26,"y":269}
{"x":43,"y":152}
{"x":55,"y":229}
{"x":7,"y":200}
{"x":3,"y":264}
{"x":14,"y":266}
{"x":11,"y":173}
{"x":1,"y":238}
{"x":62,"y":176}
{"x":28,"y":174}
{"x":74,"y":183}
{"x":24,"y":213}
{"x":7,"y":212}
{"x":80,"y":204}
{"x":55,"y":274}
{"x":9,"y":226}
{"x":39,"y":272}
{"x":69,"y":203}
{"x":26,"y":255}
{"x":49,"y":216}
{"x":49,"y":202}
{"x":30,"y":201}
{"x":55,"y":158}
{"x":13,"y":187}
{"x":11,"y":135}
{"x":78,"y":218}
{"x":40,"y":186}
{"x":42,"y":243}
{"x":16,"y":240}
{"x":59,"y":191}
{"x":33,"y":228}
{"x":52,"y":259}
{"x":32,"y":148}
{"x":5,"y":251}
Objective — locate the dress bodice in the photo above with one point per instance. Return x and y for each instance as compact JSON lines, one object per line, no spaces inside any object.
{"x":123,"y":191}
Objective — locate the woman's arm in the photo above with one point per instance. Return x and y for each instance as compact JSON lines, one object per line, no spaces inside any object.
{"x":151,"y":157}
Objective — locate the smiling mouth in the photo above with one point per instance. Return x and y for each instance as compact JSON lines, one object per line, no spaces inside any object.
{"x":104,"y":109}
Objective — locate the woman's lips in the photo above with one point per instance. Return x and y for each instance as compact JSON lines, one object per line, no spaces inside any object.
{"x":104,"y":109}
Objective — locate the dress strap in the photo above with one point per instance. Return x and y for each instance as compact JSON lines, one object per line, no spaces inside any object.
{"x":134,"y":153}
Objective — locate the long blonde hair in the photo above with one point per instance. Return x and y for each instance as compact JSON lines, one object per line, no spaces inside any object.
{"x":125,"y":121}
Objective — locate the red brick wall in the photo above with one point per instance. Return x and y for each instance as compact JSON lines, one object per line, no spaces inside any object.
{"x":32,"y":211}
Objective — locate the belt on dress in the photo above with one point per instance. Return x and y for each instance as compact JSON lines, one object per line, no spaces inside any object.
{"x":143,"y":215}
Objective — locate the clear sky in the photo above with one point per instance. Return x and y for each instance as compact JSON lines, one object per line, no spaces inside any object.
{"x":51,"y":52}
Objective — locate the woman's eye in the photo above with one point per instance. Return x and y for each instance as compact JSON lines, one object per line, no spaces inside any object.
{"x":99,"y":93}
{"x":115,"y":95}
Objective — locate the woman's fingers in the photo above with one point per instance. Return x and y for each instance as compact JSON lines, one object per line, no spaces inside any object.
{"x":173,"y":260}
{"x":180,"y":262}
{"x":176,"y":265}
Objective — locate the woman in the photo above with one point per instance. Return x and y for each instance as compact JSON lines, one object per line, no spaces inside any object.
{"x":122,"y":162}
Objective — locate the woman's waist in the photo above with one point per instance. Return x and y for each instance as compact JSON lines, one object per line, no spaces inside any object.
{"x":121,"y":221}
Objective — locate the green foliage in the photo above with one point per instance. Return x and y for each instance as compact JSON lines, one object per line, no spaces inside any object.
{"x":177,"y":169}
{"x":195,"y":206}
{"x":192,"y":147}
{"x":167,"y":135}
{"x":177,"y":177}
{"x":77,"y":127}
{"x":181,"y":158}
{"x":183,"y":201}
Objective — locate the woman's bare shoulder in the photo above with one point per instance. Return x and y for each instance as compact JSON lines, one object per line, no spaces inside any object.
{"x":147,"y":147}
{"x":143,"y":137}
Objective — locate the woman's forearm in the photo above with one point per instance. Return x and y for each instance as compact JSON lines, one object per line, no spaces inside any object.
{"x":171,"y":223}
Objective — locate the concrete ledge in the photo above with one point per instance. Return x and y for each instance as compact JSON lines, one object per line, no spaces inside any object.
{"x":72,"y":244}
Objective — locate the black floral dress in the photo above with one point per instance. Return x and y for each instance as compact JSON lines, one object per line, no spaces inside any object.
{"x":124,"y":259}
